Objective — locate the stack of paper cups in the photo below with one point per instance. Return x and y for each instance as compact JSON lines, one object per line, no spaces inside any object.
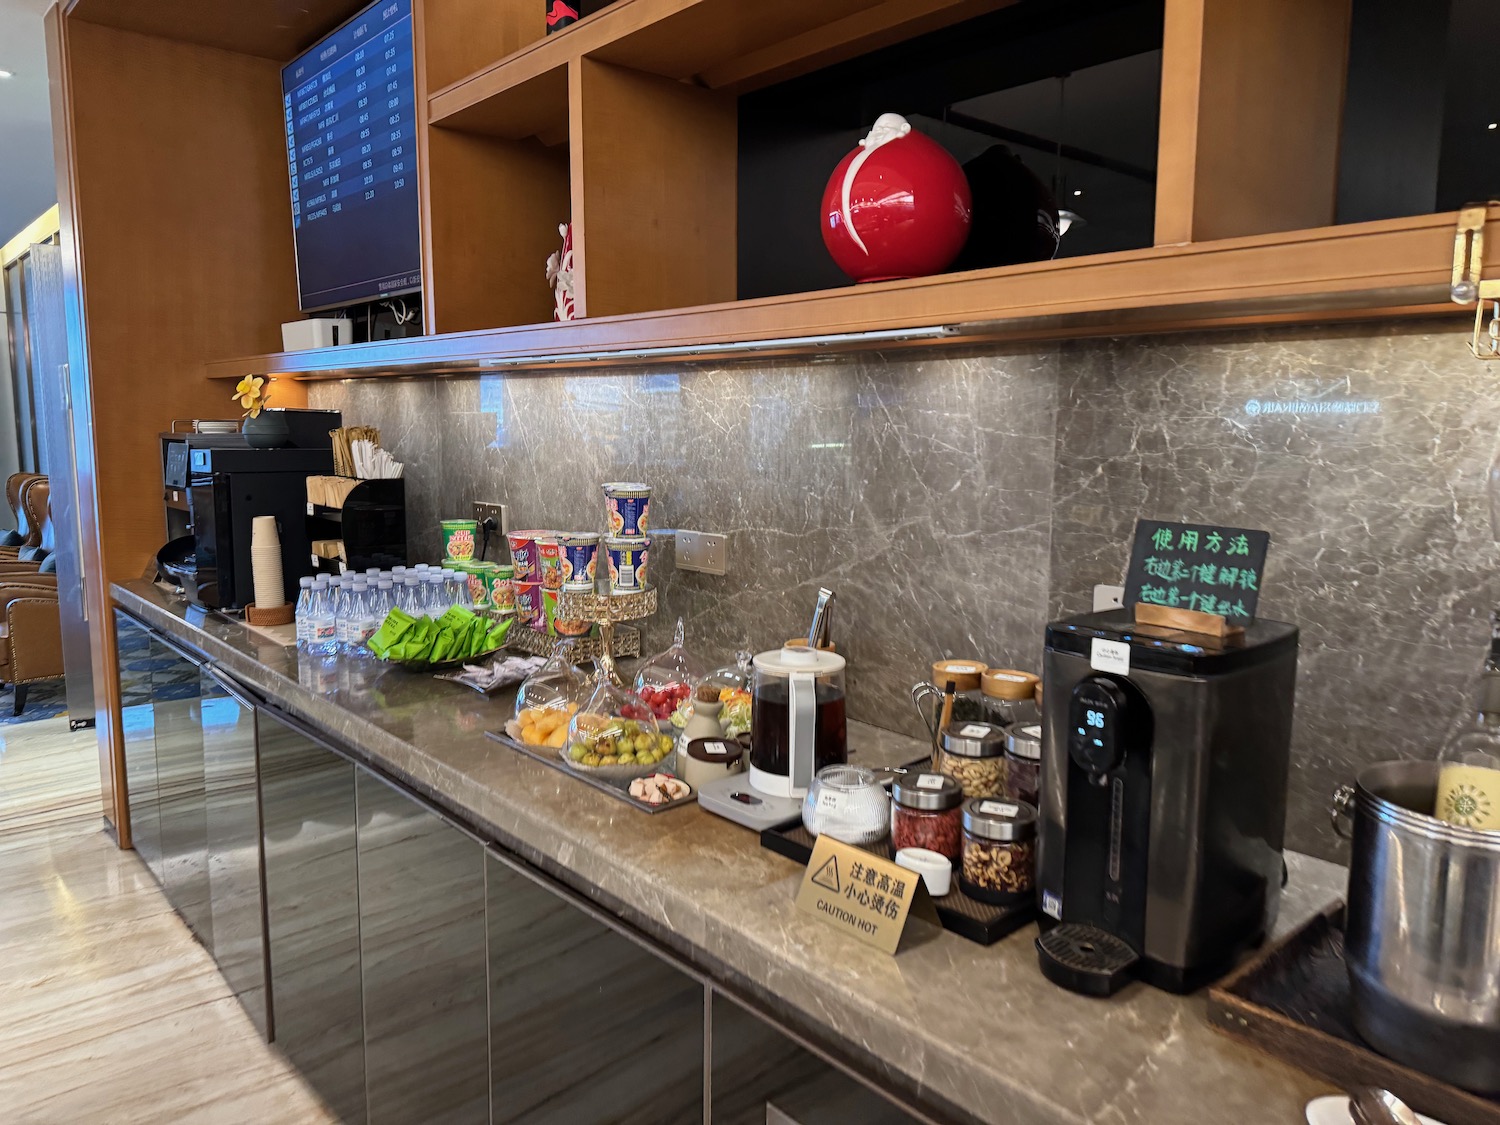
{"x":265,"y":563}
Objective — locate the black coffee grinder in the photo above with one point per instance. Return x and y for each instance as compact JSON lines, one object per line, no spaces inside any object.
{"x":1163,"y":798}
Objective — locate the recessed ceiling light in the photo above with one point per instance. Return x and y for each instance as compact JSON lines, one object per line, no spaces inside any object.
{"x":7,"y":74}
{"x":1079,"y":191}
{"x":1493,"y":125}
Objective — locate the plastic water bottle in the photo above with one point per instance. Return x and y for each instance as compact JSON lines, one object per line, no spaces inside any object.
{"x":303,"y":612}
{"x":351,"y":619}
{"x":409,"y":597}
{"x":437,"y":594}
{"x":364,"y":623}
{"x":372,"y":574}
{"x":385,"y":600}
{"x":322,"y":636}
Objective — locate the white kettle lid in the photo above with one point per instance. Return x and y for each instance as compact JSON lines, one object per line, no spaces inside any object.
{"x":790,"y":660}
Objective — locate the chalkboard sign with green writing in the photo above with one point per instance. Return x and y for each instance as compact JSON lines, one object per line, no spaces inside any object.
{"x":1195,"y":566}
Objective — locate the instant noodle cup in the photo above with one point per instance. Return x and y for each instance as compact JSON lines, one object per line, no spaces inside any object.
{"x":529,"y":611}
{"x":549,"y":559}
{"x":460,"y":539}
{"x":523,"y":554}
{"x":627,"y":561}
{"x":580,"y":559}
{"x":561,"y":626}
{"x":628,"y":508}
{"x":501,"y":588}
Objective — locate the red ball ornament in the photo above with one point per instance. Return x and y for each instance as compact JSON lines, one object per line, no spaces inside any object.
{"x":897,"y":206}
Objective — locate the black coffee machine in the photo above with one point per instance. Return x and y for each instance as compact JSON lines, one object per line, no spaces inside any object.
{"x":214,"y":486}
{"x":1163,"y":799}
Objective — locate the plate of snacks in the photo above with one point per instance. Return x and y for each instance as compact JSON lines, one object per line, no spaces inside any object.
{"x":659,"y":789}
{"x":542,"y":726}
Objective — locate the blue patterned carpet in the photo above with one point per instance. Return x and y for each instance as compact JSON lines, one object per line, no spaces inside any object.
{"x":46,"y":700}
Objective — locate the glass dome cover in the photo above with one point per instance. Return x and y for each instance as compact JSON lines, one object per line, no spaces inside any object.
{"x":666,"y":681}
{"x":615,"y":732}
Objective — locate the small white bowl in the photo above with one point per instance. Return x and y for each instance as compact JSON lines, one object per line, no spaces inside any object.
{"x":934,"y":867}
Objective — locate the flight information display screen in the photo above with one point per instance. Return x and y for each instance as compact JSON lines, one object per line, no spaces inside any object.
{"x":349,"y":109}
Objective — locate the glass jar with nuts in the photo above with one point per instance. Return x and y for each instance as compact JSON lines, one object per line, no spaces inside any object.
{"x":973,"y":754}
{"x":999,"y":851}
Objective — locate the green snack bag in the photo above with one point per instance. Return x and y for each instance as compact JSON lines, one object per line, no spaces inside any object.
{"x":416,"y":642}
{"x":497,"y":635}
{"x":395,"y":626}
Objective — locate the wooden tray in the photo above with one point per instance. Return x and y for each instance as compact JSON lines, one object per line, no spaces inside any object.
{"x":1292,"y":1001}
{"x":965,"y":916}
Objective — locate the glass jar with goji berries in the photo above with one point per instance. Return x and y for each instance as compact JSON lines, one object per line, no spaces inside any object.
{"x":927,"y":812}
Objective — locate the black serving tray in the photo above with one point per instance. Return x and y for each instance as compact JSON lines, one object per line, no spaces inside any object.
{"x":967,"y":917}
{"x":1292,"y":1000}
{"x":615,"y":788}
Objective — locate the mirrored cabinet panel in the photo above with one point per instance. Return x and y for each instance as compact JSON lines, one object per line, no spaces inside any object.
{"x":422,"y":957}
{"x":585,"y":1023}
{"x":312,"y":912}
{"x":177,"y":716}
{"x":763,"y":1077}
{"x":232,"y":815}
{"x":138,"y":725}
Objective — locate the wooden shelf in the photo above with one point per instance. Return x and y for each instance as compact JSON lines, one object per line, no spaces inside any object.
{"x":1396,"y":267}
{"x":725,"y":45}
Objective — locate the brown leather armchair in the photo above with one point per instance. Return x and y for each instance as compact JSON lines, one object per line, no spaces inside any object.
{"x":30,"y":637}
{"x":36,"y":504}
{"x":18,"y":487}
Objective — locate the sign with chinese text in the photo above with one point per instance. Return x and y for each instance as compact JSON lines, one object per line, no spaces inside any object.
{"x":1192,"y":566}
{"x":866,"y":897}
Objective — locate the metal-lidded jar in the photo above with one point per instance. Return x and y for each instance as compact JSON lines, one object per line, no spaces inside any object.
{"x":966,"y":678}
{"x":1009,"y":696}
{"x":1023,"y":763}
{"x":999,"y":851}
{"x":926,"y":812}
{"x":973,"y":754}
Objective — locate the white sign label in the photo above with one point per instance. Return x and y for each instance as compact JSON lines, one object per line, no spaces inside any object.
{"x":831,"y":801}
{"x":930,"y":781}
{"x":718,"y":749}
{"x":974,"y":730}
{"x":999,"y":808}
{"x":1051,"y":905}
{"x":1110,"y":656}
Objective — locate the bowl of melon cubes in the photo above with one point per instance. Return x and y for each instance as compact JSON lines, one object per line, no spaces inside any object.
{"x":543,"y":726}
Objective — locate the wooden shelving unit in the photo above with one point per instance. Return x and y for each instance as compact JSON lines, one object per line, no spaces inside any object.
{"x":626,"y":124}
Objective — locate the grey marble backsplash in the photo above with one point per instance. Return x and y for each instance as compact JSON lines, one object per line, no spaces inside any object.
{"x":958,"y":501}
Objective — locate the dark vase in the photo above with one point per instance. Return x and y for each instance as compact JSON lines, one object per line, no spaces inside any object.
{"x":267,"y":430}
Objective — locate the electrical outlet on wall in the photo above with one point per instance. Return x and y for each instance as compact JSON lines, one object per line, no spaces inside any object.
{"x":1108,"y":597}
{"x":702,"y":551}
{"x":500,"y":513}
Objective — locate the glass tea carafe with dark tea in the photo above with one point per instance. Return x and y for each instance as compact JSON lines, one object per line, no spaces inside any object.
{"x":797,"y":723}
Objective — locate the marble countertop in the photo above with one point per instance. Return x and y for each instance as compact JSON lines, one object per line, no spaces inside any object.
{"x":970,"y":1030}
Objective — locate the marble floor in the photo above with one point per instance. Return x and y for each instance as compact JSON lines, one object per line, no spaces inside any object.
{"x":109,"y":1010}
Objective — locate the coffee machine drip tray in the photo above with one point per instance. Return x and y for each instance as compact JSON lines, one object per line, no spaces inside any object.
{"x":1083,"y":958}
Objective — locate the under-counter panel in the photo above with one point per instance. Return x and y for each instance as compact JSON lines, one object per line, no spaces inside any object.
{"x":177,"y":714}
{"x":585,"y":1023}
{"x":138,"y":725}
{"x":423,"y":965}
{"x":762,"y":1077}
{"x":312,"y":912}
{"x":232,"y":810}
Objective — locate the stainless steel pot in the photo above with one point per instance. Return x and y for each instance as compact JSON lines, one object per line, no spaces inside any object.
{"x":1422,"y":932}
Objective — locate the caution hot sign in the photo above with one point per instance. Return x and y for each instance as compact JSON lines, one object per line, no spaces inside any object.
{"x":867,"y":897}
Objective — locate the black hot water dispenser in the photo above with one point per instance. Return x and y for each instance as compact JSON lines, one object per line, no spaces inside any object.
{"x":1163,"y":798}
